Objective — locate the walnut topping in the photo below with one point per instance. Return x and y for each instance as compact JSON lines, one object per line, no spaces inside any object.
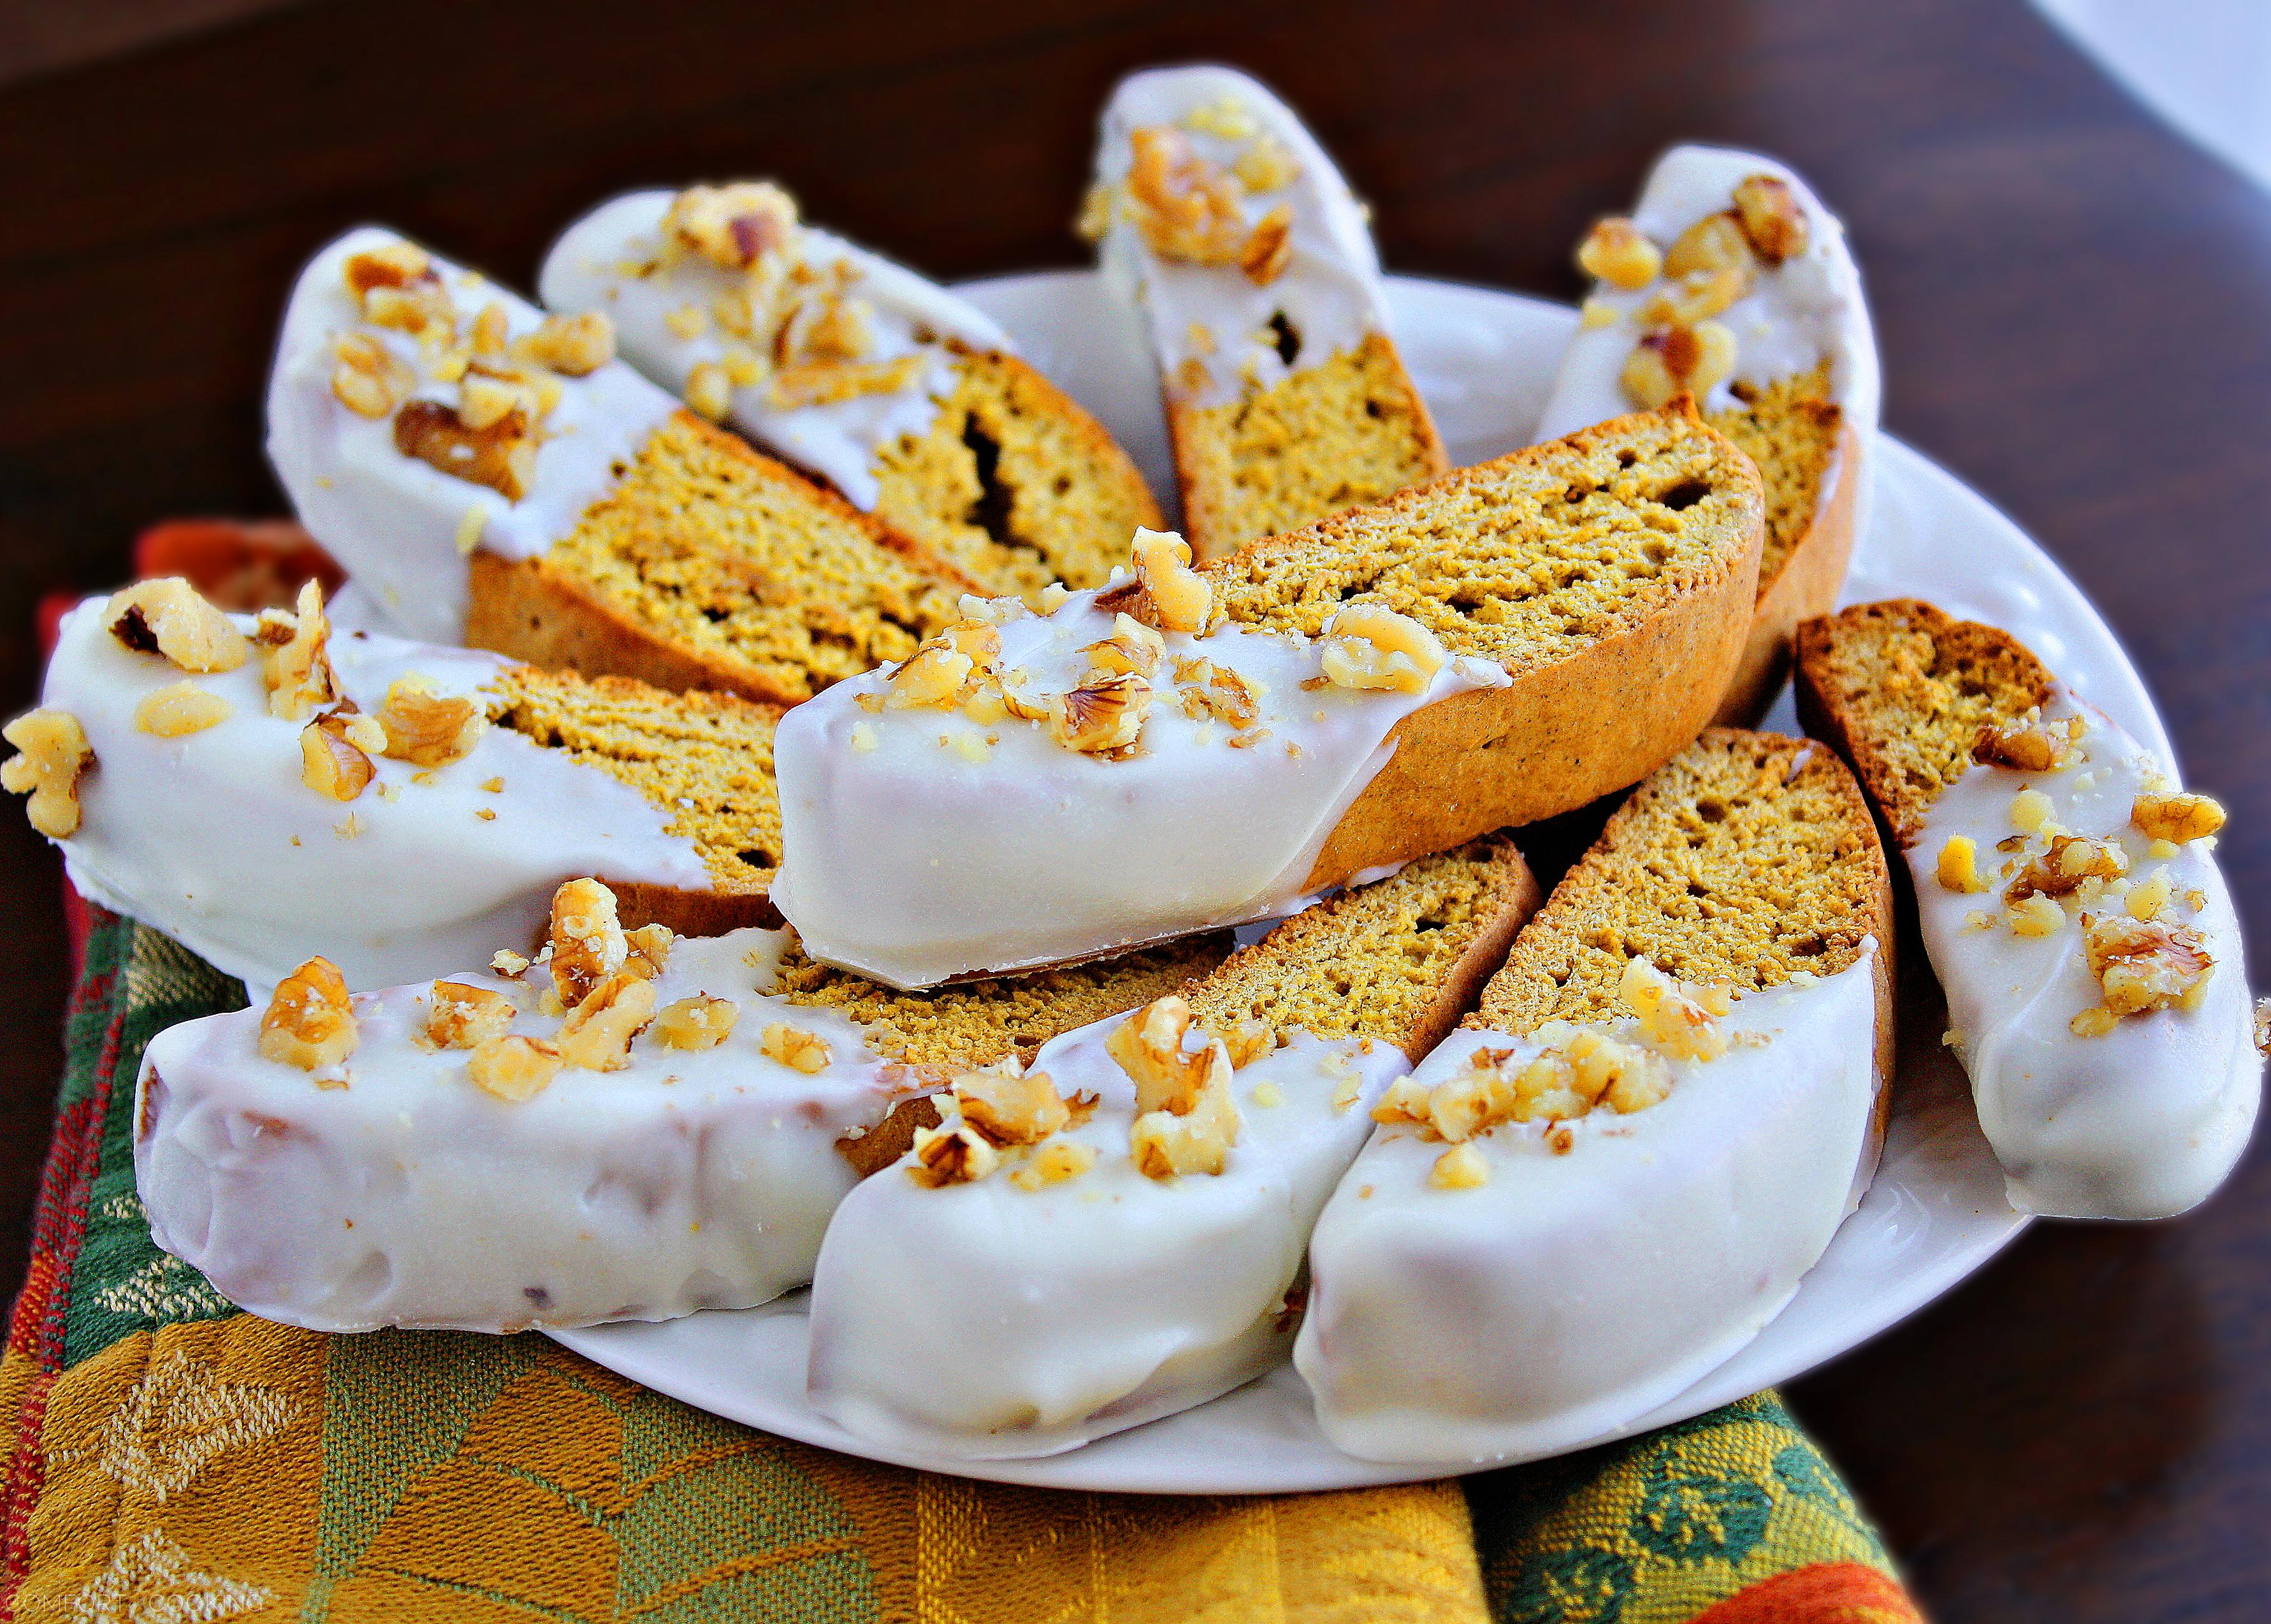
{"x":596,"y":1035}
{"x":1249,"y":1041}
{"x":460,"y":1016}
{"x":169,"y":617}
{"x":2143,"y":965}
{"x":1186,"y":208}
{"x":1148,"y":1047}
{"x":1679,"y":1016}
{"x":2030,"y":811}
{"x":1172,"y":596}
{"x":794,"y":1047}
{"x":395,"y":265}
{"x":1267,"y":165}
{"x":330,"y":764}
{"x":1586,"y":1070}
{"x":2068,"y":867}
{"x":588,"y":944}
{"x":710,"y":391}
{"x":508,"y":963}
{"x":1682,"y":358}
{"x":2024,"y":746}
{"x":1366,"y":646}
{"x":311,"y":1021}
{"x":1715,"y":242}
{"x":1216,"y":693}
{"x":2176,"y":818}
{"x":734,"y":226}
{"x":646,"y":950}
{"x":1270,"y":249}
{"x":575,"y":346}
{"x":513,"y":1069}
{"x":954,"y":1153}
{"x":700,"y":1022}
{"x":1958,"y":867}
{"x":1011,"y":1107}
{"x":1103,"y":714}
{"x":1132,"y":646}
{"x":1617,"y":252}
{"x":366,"y":377}
{"x":500,"y":454}
{"x":1054,"y":1164}
{"x":54,"y":753}
{"x":180,"y":709}
{"x":1461,"y":1167}
{"x":1772,"y":223}
{"x":422,"y":309}
{"x":296,"y":666}
{"x":1695,"y":298}
{"x":2263,"y":1027}
{"x":427,"y":728}
{"x":1163,"y":1143}
{"x":932,"y":679}
{"x":2036,"y":916}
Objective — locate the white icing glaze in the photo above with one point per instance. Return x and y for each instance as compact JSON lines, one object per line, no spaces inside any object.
{"x":911,"y":863}
{"x":986,"y":1321}
{"x":1809,"y":307}
{"x":214,"y":839}
{"x":1329,"y":290}
{"x":2147,"y":1120}
{"x":394,"y":520}
{"x":592,"y":268}
{"x":1573,"y":1292}
{"x":689,"y":1180}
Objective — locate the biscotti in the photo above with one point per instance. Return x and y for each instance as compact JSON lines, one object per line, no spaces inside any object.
{"x":634,"y":1126}
{"x":492,"y":475}
{"x":264,"y":789}
{"x":1193,"y":748}
{"x":1618,"y":1170}
{"x":1219,"y":214}
{"x":2083,"y":933}
{"x":1115,"y":1233}
{"x":908,"y":399}
{"x":1732,"y":283}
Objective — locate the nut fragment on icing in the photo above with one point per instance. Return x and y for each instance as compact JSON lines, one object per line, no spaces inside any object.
{"x":2176,"y":818}
{"x":366,"y":377}
{"x":1186,"y":208}
{"x":513,"y":1069}
{"x":1011,"y":1107}
{"x":794,"y":1047}
{"x":1957,"y":869}
{"x":733,"y":226}
{"x":54,"y":753}
{"x":426,"y":727}
{"x":955,"y":1153}
{"x":1177,"y":597}
{"x":1617,"y":252}
{"x":1054,"y":1164}
{"x":2142,"y":966}
{"x":295,"y":666}
{"x":1366,"y":646}
{"x":700,"y":1022}
{"x":330,"y":764}
{"x":1715,"y":242}
{"x":588,"y":944}
{"x":180,"y":709}
{"x":1103,"y":714}
{"x":596,"y":1035}
{"x":1767,"y":209}
{"x":573,"y":346}
{"x":460,"y":1016}
{"x":169,"y":617}
{"x":309,"y":1021}
{"x":1461,"y":1167}
{"x":1680,"y":1017}
{"x":1680,"y":359}
{"x":2024,"y":746}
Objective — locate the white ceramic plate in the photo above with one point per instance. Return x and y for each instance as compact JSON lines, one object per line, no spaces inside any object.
{"x":1936,"y":1212}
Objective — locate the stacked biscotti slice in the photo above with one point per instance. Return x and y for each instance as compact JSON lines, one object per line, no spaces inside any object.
{"x":2069,"y":900}
{"x":1618,"y":1171}
{"x":1115,"y":1231}
{"x":903,"y":397}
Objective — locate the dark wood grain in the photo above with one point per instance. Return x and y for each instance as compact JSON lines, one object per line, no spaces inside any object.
{"x":2075,"y":311}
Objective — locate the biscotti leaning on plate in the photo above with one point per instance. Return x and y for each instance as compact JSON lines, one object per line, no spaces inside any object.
{"x":1197,"y":747}
{"x":1115,"y":1233}
{"x":495,"y":476}
{"x":1618,"y":1170}
{"x":908,"y":399}
{"x":2081,"y":928}
{"x":1731,"y":282}
{"x":1260,"y":287}
{"x":266,"y":788}
{"x":631,"y":1127}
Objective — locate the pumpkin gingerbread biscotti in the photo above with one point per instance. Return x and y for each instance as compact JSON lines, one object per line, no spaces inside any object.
{"x":1219,"y":214}
{"x":1731,"y":282}
{"x":496,"y":476}
{"x":1194,"y":747}
{"x":2070,"y":903}
{"x":908,"y":399}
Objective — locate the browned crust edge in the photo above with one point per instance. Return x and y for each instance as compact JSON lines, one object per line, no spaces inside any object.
{"x":1812,"y":573}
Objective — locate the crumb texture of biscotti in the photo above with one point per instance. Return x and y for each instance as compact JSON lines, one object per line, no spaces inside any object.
{"x":1526,"y":560}
{"x":1747,"y":858}
{"x":1014,"y":484}
{"x":1905,"y":690}
{"x":1789,"y":428}
{"x":969,"y":1024}
{"x":1377,"y":961}
{"x":710,"y":548}
{"x":1347,"y":431}
{"x":706,"y":759}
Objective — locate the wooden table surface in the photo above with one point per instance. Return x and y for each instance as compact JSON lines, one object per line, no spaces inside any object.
{"x":2075,"y":313}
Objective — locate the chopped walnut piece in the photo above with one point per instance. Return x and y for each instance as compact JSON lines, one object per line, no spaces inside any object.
{"x":2263,"y":1027}
{"x":1249,"y":1041}
{"x":1767,"y":209}
{"x":366,"y":377}
{"x":1695,"y":297}
{"x":1054,"y":1164}
{"x":596,"y":1035}
{"x":1617,"y":252}
{"x":1163,"y":1143}
{"x":796,"y":1048}
{"x":169,"y":617}
{"x":954,"y":1153}
{"x":486,"y":400}
{"x":1172,"y":596}
{"x":500,"y":454}
{"x":2094,"y":1022}
{"x":395,"y":265}
{"x":180,"y":709}
{"x":826,"y":382}
{"x":1270,"y":249}
{"x":700,"y":1022}
{"x":2024,"y":746}
{"x":1216,"y":693}
{"x":710,"y":391}
{"x":646,"y":950}
{"x":508,"y":963}
{"x":2144,"y":966}
{"x":1267,"y":165}
{"x":1692,"y":360}
{"x":310,"y":1022}
{"x":588,"y":944}
{"x":424,"y":308}
{"x":1104,"y":714}
{"x":460,"y":1016}
{"x":330,"y":764}
{"x":2067,"y":866}
{"x":2036,"y":916}
{"x":1010,"y":1107}
{"x":575,"y":346}
{"x":1147,"y":1046}
{"x":55,"y":754}
{"x":734,"y":225}
{"x":2030,"y":811}
{"x":296,"y":666}
{"x":1132,"y":646}
{"x":932,"y":679}
{"x":429,"y":728}
{"x":1679,"y":1016}
{"x":513,"y":1069}
{"x":1366,"y":646}
{"x":1958,"y":867}
{"x":1186,"y":208}
{"x":1461,"y":1167}
{"x":1714,"y":242}
{"x":2176,"y":818}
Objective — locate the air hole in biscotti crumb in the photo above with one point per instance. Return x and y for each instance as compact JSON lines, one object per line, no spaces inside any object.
{"x":990,"y":512}
{"x":1813,"y":947}
{"x":758,"y":857}
{"x":1712,"y":811}
{"x":1287,"y":338}
{"x":1684,"y":494}
{"x":1627,"y":456}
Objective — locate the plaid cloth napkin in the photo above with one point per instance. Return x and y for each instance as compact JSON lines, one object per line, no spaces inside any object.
{"x":172,"y":1460}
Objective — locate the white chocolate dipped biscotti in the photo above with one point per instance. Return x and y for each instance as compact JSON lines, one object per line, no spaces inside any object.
{"x":1732,"y":283}
{"x":1619,"y":1169}
{"x":1193,"y":748}
{"x":1115,"y":1233}
{"x":906,"y":399}
{"x":1253,"y":267}
{"x":2070,"y":903}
